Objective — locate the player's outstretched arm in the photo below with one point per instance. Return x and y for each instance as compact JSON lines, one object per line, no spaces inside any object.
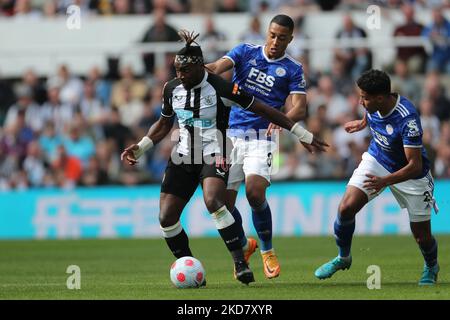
{"x":296,"y":113}
{"x":155,"y":134}
{"x":220,"y":66}
{"x":356,"y":125}
{"x":280,"y":119}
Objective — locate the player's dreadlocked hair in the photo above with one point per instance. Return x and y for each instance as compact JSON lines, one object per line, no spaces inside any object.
{"x":188,"y":37}
{"x":190,"y":53}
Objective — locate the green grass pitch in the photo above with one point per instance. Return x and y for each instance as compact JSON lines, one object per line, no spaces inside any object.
{"x":139,"y":269}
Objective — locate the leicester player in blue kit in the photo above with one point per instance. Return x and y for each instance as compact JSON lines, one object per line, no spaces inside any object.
{"x":395,"y":159}
{"x":271,"y":75}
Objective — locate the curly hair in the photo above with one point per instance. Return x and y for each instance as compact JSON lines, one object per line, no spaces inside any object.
{"x":375,"y":82}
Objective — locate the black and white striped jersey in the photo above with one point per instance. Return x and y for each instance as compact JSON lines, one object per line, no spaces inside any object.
{"x":203,"y":112}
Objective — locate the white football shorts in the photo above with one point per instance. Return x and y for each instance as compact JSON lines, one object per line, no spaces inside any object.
{"x":416,"y":195}
{"x":253,"y":156}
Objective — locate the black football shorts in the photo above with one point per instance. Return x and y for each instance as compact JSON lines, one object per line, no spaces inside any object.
{"x":182,"y":179}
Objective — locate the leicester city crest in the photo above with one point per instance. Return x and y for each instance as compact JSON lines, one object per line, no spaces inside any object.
{"x":389,"y":129}
{"x":280,"y":72}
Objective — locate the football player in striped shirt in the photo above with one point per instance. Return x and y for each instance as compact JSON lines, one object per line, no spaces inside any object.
{"x":201,"y":102}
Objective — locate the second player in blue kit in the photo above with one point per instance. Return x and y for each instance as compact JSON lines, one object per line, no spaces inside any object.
{"x":396,"y":159}
{"x":271,"y":75}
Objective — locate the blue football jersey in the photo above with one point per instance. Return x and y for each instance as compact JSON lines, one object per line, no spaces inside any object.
{"x":391,"y":133}
{"x":268,"y":80}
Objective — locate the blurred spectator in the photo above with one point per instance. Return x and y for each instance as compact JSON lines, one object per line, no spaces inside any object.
{"x":79,"y":145}
{"x":121,"y":7}
{"x":160,"y":31}
{"x":7,"y":98}
{"x":297,"y":47}
{"x":26,"y":104}
{"x":209,"y":40}
{"x":49,"y":142}
{"x":429,"y":121}
{"x":257,"y":7}
{"x":438,"y":32}
{"x":71,"y":86}
{"x":31,"y":79}
{"x":288,"y":166}
{"x":87,"y":7}
{"x":327,"y":5}
{"x":54,"y":110}
{"x":109,"y":159}
{"x":414,"y":57}
{"x":102,"y":86}
{"x":93,"y":174}
{"x":68,"y":169}
{"x":116,"y":109}
{"x":116,"y":131}
{"x":336,"y":105}
{"x":158,"y":162}
{"x":297,"y":8}
{"x":170,"y":6}
{"x":24,"y":11}
{"x":33,"y":164}
{"x":229,"y":6}
{"x":348,"y":144}
{"x":311,"y":75}
{"x":434,"y":90}
{"x":13,"y":148}
{"x":404,"y":83}
{"x":103,"y":7}
{"x":152,"y":109}
{"x":140,"y":6}
{"x":50,"y":9}
{"x":131,"y":110}
{"x":253,"y":34}
{"x":342,"y":81}
{"x":7,"y":7}
{"x":357,"y":60}
{"x":203,"y":7}
{"x":92,"y":110}
{"x":442,"y":164}
{"x":127,"y":85}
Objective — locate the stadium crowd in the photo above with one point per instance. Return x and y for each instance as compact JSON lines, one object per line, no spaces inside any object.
{"x":68,"y":130}
{"x":36,"y":9}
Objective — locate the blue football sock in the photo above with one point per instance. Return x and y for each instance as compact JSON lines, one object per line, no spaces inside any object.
{"x":237,"y":217}
{"x":343,"y":231}
{"x":262,"y":221}
{"x":430,"y":253}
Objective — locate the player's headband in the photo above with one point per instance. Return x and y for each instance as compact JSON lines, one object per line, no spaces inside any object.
{"x":186,"y":59}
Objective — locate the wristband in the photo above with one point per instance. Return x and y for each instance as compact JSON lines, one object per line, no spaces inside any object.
{"x":303,"y":134}
{"x":145,"y":144}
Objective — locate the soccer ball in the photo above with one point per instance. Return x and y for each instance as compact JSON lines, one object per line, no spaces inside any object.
{"x":187,"y":272}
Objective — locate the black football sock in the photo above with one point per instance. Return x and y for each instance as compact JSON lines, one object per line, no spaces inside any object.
{"x":177,"y":240}
{"x":230,"y":232}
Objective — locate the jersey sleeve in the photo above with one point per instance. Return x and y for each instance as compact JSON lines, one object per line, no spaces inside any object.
{"x":412,"y":132}
{"x":230,"y":93}
{"x":167,"y":109}
{"x":236,"y":54}
{"x":297,"y":83}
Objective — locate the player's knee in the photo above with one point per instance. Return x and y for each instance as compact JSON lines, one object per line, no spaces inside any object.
{"x":213,"y":204}
{"x":166,"y":219}
{"x":255,"y":197}
{"x":347,"y":209}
